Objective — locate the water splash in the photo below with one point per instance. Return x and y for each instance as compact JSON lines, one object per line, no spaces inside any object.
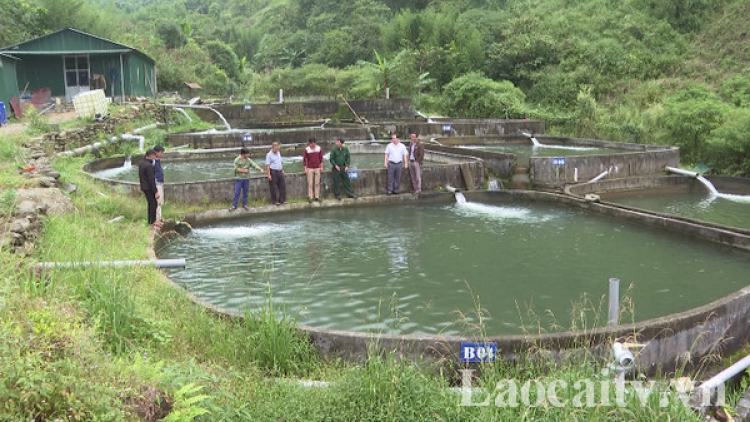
{"x":244,"y":231}
{"x":716,"y":194}
{"x":460,"y":198}
{"x":494,"y":185}
{"x":113,"y":173}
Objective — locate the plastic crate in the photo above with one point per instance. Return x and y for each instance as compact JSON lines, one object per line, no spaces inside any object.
{"x":3,"y":114}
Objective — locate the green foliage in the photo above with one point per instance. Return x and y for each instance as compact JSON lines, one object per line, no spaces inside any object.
{"x":19,"y":21}
{"x":171,"y":34}
{"x":689,"y":118}
{"x":224,"y":58}
{"x":37,"y":123}
{"x":187,"y":404}
{"x":587,"y":113}
{"x":277,"y":346}
{"x":475,"y":96}
{"x":736,"y":91}
{"x":730,"y":145}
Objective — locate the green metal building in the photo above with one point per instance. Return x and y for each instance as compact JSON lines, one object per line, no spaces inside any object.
{"x":69,"y":62}
{"x":8,"y":79}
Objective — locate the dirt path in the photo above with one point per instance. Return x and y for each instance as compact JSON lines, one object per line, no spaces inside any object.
{"x":52,"y":117}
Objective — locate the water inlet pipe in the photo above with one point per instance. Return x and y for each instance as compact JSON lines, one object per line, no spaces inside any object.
{"x":157,"y":263}
{"x":683,"y":172}
{"x":96,"y":145}
{"x":599,"y":177}
{"x":726,"y":374}
{"x":184,"y":113}
{"x":215,"y":111}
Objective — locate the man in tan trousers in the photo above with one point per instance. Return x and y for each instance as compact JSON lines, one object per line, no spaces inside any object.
{"x":312,"y":160}
{"x":416,"y":157}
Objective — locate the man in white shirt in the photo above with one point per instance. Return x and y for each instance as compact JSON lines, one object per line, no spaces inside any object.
{"x":395,"y":160}
{"x":275,"y":173}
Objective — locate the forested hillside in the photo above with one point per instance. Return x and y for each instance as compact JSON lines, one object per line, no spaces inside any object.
{"x":668,"y":71}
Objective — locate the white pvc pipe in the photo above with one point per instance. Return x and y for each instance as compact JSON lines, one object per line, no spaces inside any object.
{"x":141,"y":140}
{"x":451,"y":189}
{"x":726,"y":374}
{"x":682,"y":172}
{"x":157,"y":263}
{"x":96,"y":145}
{"x":599,"y":177}
{"x":221,"y":116}
{"x":184,"y":113}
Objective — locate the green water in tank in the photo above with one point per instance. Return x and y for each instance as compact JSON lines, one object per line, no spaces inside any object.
{"x":428,"y":268}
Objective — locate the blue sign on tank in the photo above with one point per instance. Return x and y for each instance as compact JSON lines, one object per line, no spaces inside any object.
{"x":248,"y":137}
{"x":558,"y":162}
{"x":353,"y":174}
{"x":447,"y":128}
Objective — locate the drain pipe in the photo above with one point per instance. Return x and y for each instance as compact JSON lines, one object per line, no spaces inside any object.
{"x":157,"y":263}
{"x":682,"y":172}
{"x":451,"y":189}
{"x":434,"y":141}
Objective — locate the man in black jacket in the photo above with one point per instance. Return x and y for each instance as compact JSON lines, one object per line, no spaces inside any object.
{"x":147,"y":176}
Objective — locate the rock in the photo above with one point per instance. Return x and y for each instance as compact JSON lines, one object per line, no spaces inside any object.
{"x":36,"y":155}
{"x":47,"y":182}
{"x":54,"y":174}
{"x":743,"y":408}
{"x":25,"y":208}
{"x":70,"y":188}
{"x":42,"y":208}
{"x":20,"y":225}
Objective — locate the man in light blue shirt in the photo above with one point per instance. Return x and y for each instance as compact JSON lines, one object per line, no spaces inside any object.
{"x":395,"y":161}
{"x":275,"y":172}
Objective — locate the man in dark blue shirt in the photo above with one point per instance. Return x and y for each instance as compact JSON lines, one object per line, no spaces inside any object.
{"x":159,"y":174}
{"x":148,"y":183}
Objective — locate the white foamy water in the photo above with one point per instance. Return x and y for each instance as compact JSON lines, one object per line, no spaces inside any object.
{"x":243,"y":231}
{"x":475,"y":209}
{"x":744,"y":199}
{"x":113,"y":173}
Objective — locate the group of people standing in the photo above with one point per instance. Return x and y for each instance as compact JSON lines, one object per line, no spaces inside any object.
{"x":396,"y":158}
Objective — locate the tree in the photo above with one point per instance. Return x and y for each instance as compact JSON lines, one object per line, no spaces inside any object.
{"x":224,"y":58}
{"x":171,"y":34}
{"x":475,"y":96}
{"x":18,"y":21}
{"x":689,"y":118}
{"x":388,"y":75}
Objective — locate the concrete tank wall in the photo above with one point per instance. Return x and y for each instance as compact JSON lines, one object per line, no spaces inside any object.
{"x":234,"y":140}
{"x":491,"y":127}
{"x":371,"y":182}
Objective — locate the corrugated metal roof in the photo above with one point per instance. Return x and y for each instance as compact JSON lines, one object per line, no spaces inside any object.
{"x":69,"y":41}
{"x":193,"y":85}
{"x":8,"y":56}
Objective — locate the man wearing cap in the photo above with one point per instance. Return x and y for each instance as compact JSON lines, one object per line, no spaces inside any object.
{"x":395,"y":160}
{"x":312,"y":160}
{"x":159,"y":174}
{"x":416,"y":157}
{"x":242,"y":166}
{"x":341,"y":160}
{"x":275,"y":172}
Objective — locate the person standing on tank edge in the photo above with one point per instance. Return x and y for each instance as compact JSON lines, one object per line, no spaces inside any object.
{"x":275,"y":173}
{"x":159,"y":173}
{"x":416,"y":157}
{"x":395,"y":159}
{"x":147,"y":178}
{"x":242,"y":166}
{"x":341,"y":160}
{"x":312,"y":160}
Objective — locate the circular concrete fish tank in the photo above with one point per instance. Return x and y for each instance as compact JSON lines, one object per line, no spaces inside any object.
{"x":432,"y":267}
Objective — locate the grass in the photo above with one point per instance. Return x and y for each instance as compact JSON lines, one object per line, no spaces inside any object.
{"x":83,"y":344}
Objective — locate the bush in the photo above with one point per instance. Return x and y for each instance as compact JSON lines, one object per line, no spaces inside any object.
{"x":475,"y":96}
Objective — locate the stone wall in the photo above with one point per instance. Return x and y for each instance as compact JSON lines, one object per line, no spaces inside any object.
{"x":73,"y":138}
{"x":234,"y":140}
{"x":241,"y":116}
